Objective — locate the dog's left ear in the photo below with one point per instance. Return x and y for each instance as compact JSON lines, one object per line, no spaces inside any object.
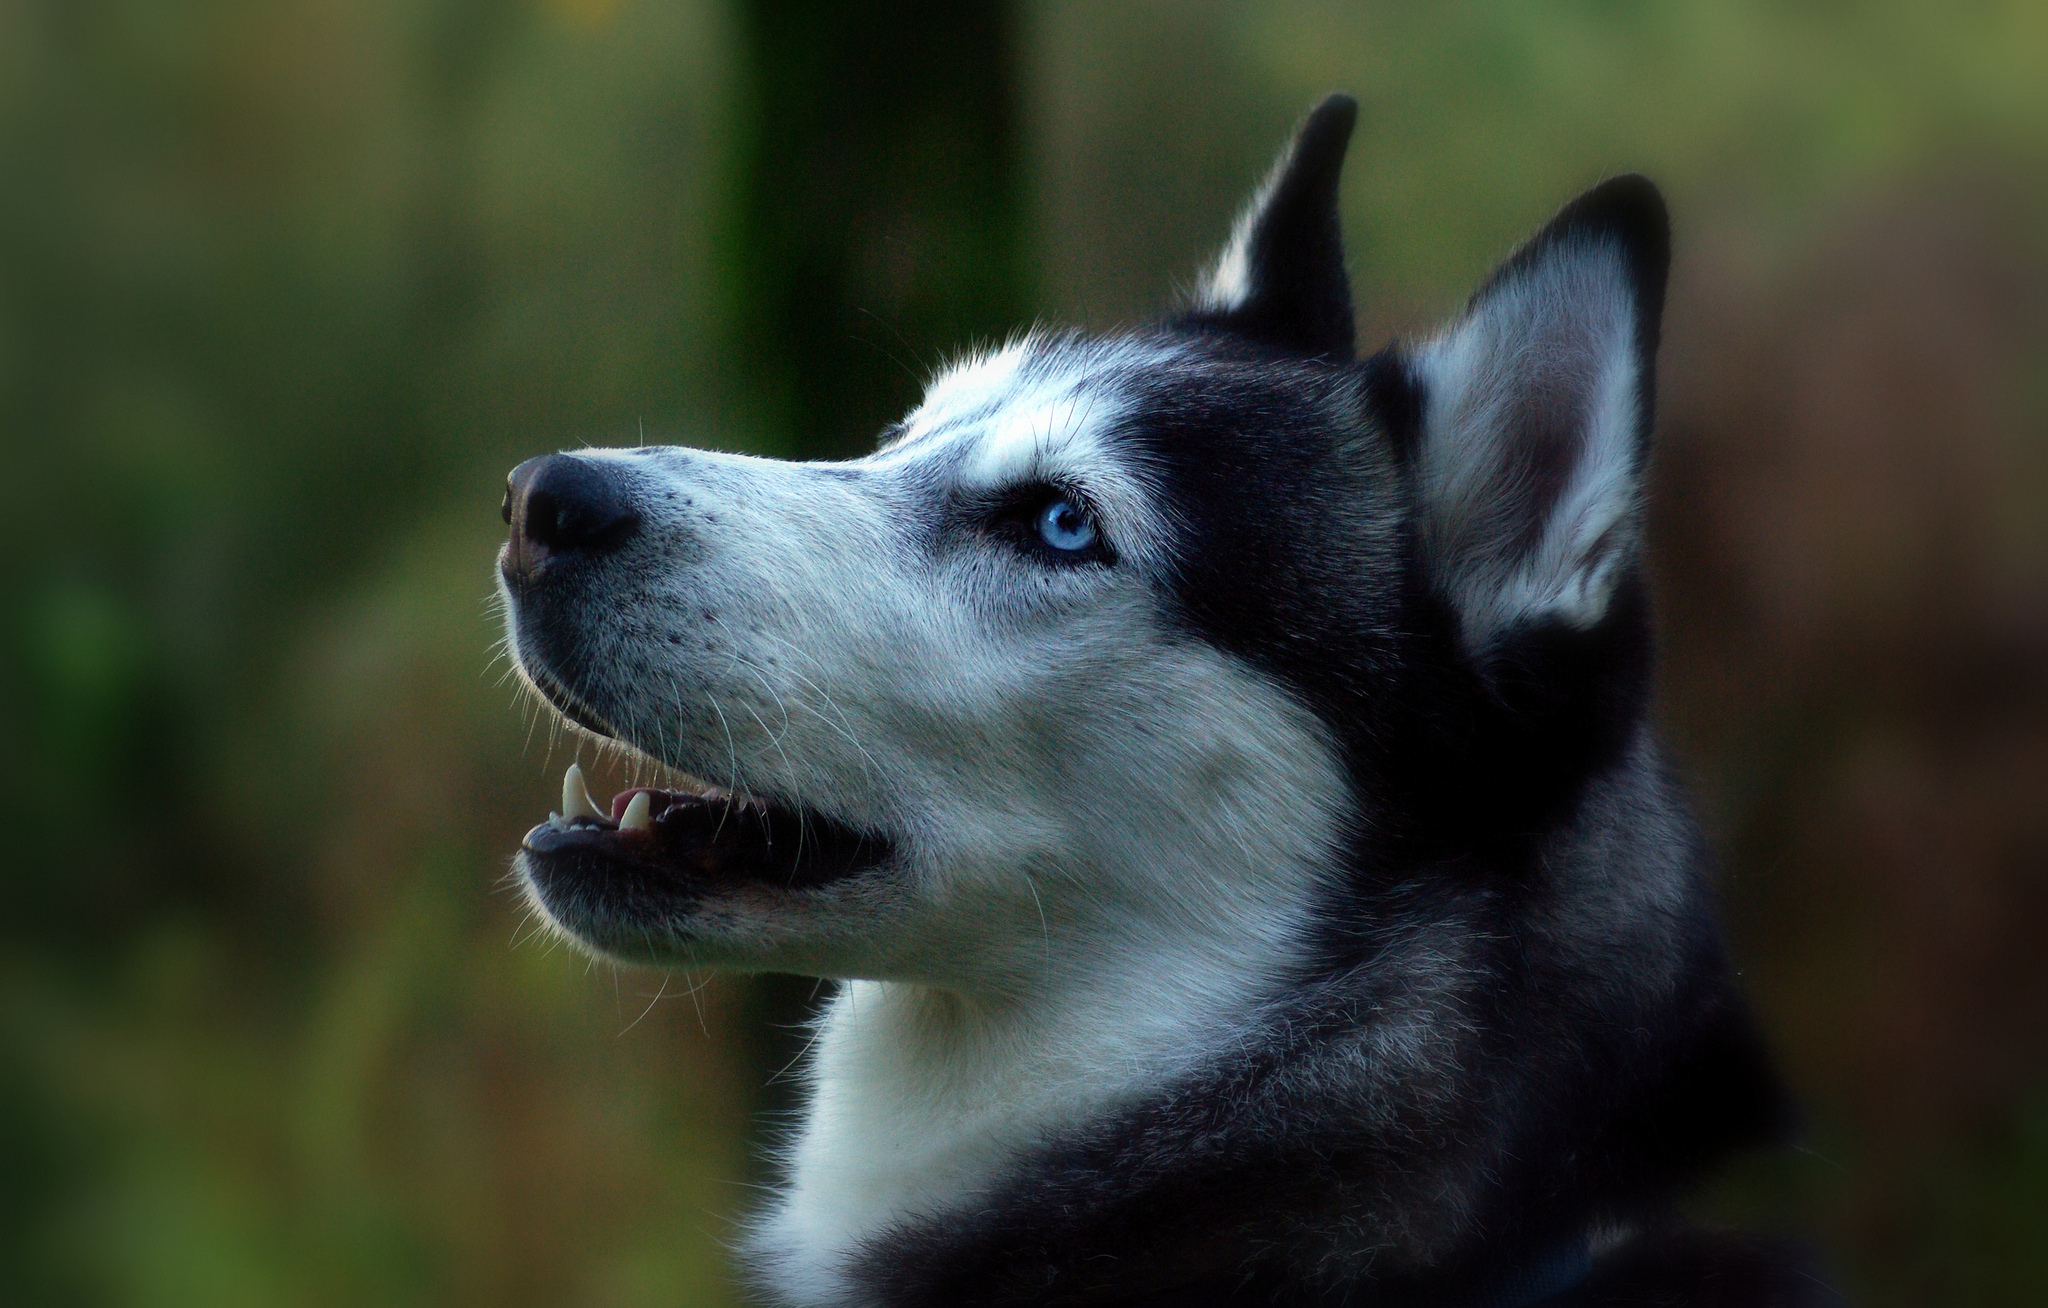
{"x":1281,"y":279}
{"x":1535,"y":418}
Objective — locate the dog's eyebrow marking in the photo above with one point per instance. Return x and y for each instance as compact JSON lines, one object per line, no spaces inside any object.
{"x":1040,"y":395}
{"x":1018,"y":446}
{"x":969,"y":391}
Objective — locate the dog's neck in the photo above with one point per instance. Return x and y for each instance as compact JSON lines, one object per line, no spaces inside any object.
{"x":923,"y":1098}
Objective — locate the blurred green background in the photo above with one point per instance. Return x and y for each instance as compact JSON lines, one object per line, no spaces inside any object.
{"x":287,"y":285}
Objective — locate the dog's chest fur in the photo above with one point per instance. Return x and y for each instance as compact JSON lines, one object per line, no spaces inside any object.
{"x":902,"y":1130}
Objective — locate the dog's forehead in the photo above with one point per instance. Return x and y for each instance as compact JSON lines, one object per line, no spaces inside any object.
{"x":1039,"y":408}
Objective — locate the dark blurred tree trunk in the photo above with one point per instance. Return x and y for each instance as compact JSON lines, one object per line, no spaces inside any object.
{"x":878,"y":219}
{"x":877,"y":226}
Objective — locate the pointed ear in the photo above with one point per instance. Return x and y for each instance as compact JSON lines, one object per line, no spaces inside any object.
{"x":1535,"y":421}
{"x":1281,"y":279}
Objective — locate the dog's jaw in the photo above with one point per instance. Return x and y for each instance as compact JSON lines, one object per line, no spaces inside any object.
{"x":626,"y":878}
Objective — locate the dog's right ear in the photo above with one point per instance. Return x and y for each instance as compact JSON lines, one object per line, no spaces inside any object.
{"x":1535,"y":421}
{"x":1281,"y":279}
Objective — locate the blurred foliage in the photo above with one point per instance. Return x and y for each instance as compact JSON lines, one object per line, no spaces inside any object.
{"x":285,"y":287}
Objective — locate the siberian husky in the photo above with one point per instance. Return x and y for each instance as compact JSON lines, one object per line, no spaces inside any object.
{"x":1218,"y":772}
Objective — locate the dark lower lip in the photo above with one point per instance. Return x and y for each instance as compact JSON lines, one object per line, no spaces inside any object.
{"x":696,"y":848}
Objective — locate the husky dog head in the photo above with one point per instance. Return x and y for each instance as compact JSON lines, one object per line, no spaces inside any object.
{"x":1197,"y":706}
{"x":1107,"y":638}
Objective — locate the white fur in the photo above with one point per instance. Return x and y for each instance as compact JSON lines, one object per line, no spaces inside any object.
{"x":1563,"y":332}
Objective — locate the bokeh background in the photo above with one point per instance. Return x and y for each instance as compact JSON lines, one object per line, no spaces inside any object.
{"x":287,"y":285}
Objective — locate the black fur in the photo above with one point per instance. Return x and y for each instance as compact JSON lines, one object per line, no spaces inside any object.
{"x":1502,"y":1044}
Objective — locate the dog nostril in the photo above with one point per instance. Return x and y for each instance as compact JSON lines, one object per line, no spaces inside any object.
{"x":562,"y":504}
{"x":543,"y":525}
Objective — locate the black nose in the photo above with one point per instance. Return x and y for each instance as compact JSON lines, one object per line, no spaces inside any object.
{"x":560,"y":504}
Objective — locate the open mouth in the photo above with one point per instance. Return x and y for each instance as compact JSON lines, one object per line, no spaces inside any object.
{"x":660,"y":847}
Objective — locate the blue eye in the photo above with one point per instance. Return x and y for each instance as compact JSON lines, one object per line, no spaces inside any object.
{"x":1065,"y":526}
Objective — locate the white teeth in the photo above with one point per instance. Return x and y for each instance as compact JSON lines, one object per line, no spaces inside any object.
{"x":576,"y":801}
{"x":637,"y":816}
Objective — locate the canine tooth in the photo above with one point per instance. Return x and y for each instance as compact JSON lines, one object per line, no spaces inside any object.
{"x":576,"y":801}
{"x":636,"y":818}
